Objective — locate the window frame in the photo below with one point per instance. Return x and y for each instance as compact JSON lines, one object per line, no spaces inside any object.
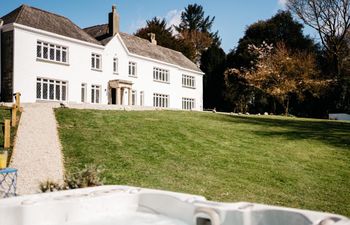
{"x":132,"y":64}
{"x":49,"y":82}
{"x":94,"y":58}
{"x":161,"y":75}
{"x":83,"y":86}
{"x":56,"y":49}
{"x":188,"y":81}
{"x":161,"y":100}
{"x":94,"y":89}
{"x":115,"y":65}
{"x":188,"y":103}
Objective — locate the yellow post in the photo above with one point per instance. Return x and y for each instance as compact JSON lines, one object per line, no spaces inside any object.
{"x":14,"y":115}
{"x":18,"y":99}
{"x":7,"y":134}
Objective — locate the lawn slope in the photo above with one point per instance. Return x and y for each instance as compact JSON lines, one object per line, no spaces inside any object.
{"x":290,"y":162}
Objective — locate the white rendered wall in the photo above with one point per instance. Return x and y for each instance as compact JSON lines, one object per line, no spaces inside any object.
{"x":27,"y":68}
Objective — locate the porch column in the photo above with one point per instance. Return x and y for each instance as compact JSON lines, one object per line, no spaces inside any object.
{"x":129,"y":96}
{"x":118,"y":96}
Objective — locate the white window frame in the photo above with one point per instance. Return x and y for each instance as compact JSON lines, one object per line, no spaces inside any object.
{"x":188,"y":81}
{"x":94,"y":89}
{"x":161,"y":75}
{"x":142,"y":98}
{"x":94,"y":59}
{"x":83,"y":93}
{"x":161,"y":100}
{"x":59,"y":87}
{"x":188,"y":103}
{"x":132,"y":71}
{"x":54,"y":52}
{"x":133,"y":97}
{"x":115,"y":65}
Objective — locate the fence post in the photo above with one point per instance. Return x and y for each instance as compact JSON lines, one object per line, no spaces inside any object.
{"x":7,"y":134}
{"x":18,"y":99}
{"x":14,"y":115}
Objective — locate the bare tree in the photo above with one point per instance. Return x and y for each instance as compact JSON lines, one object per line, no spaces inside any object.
{"x":330,"y":18}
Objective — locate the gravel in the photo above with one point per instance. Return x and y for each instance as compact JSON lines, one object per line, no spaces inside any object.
{"x":37,"y":152}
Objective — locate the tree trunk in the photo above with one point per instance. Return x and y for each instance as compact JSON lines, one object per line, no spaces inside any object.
{"x":286,"y":107}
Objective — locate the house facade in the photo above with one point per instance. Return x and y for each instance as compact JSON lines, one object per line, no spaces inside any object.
{"x":46,"y":57}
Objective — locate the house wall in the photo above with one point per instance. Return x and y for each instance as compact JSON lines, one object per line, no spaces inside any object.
{"x":27,"y":68}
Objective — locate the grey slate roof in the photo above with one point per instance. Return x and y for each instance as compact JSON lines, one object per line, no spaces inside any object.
{"x":47,"y":21}
{"x":142,"y":47}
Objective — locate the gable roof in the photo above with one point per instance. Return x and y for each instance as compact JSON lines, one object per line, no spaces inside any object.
{"x":47,"y":21}
{"x":143,"y":47}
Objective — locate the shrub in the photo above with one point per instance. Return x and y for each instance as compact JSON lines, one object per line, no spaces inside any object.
{"x":89,"y":176}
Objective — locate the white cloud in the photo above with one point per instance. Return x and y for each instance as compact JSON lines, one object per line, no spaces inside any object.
{"x":173,"y":18}
{"x":282,"y":3}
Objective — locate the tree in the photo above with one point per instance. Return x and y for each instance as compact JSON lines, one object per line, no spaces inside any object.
{"x":164,"y":36}
{"x":282,"y":73}
{"x":213,"y":63}
{"x":331,"y":19}
{"x":279,"y":28}
{"x":195,"y":29}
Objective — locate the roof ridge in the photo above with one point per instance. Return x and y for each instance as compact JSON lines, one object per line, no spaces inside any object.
{"x":95,"y":26}
{"x":45,"y":11}
{"x":148,"y":42}
{"x":21,"y":11}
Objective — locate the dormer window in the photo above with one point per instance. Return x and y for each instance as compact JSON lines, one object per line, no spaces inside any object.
{"x":96,"y":61}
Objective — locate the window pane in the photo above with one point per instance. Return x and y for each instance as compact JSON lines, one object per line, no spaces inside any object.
{"x":58,"y":55}
{"x":38,"y":90}
{"x":58,"y":92}
{"x":97,"y":94}
{"x":64,"y":93}
{"x":52,"y":52}
{"x":64,"y":56}
{"x":98,"y":63}
{"x":51,"y":91}
{"x":45,"y":91}
{"x":45,"y":52}
{"x":92,"y":94}
{"x":92,"y":63}
{"x":38,"y":51}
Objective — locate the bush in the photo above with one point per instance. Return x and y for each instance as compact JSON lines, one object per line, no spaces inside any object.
{"x":89,"y":176}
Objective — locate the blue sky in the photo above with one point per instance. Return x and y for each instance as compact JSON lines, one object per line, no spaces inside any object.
{"x":231,"y":16}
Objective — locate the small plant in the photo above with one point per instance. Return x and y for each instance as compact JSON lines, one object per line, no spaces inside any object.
{"x":50,"y":186}
{"x":89,"y":176}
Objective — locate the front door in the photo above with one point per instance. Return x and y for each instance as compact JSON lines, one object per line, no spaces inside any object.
{"x":114,"y":96}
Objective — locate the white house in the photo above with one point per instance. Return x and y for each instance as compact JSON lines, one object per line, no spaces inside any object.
{"x":46,"y":57}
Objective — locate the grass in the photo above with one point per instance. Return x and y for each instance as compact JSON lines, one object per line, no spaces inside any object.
{"x":5,"y":113}
{"x":300,"y":163}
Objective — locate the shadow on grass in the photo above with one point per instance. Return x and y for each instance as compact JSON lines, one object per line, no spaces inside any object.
{"x":333,"y":133}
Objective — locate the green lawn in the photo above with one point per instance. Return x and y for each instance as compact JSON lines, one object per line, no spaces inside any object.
{"x":298,"y":163}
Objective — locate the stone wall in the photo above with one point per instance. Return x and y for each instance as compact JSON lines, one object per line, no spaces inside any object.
{"x":7,"y":66}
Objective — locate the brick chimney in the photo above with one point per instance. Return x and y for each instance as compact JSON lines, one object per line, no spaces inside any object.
{"x":113,"y":21}
{"x":153,"y":38}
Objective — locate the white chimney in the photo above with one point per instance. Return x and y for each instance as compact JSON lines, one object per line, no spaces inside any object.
{"x":153,"y":38}
{"x":113,"y":21}
{"x":1,"y":22}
